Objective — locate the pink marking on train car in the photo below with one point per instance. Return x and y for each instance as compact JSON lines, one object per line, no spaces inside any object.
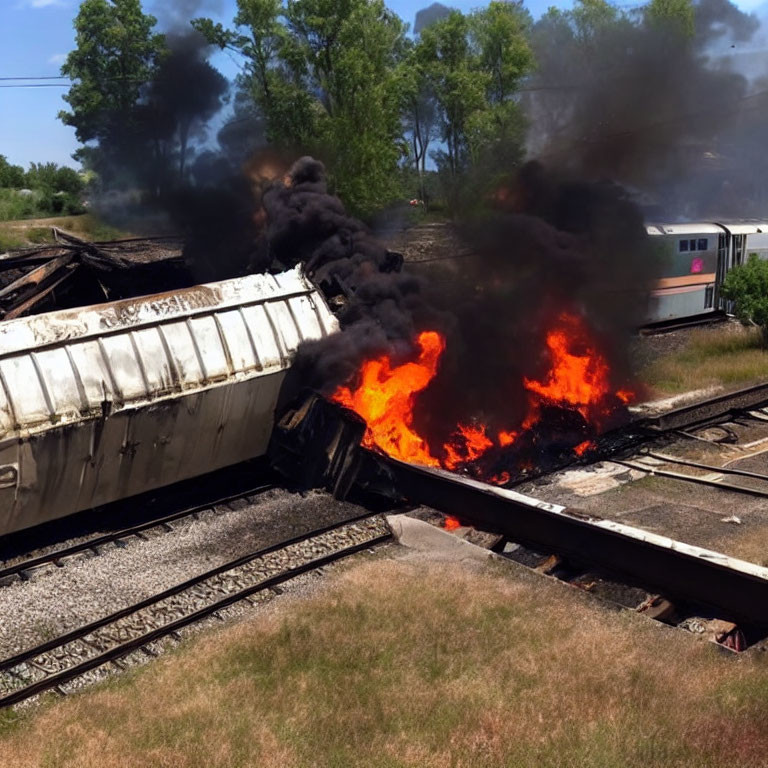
{"x":697,"y":265}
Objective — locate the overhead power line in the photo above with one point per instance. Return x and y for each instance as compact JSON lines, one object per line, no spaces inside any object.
{"x":47,"y":77}
{"x":36,"y":85}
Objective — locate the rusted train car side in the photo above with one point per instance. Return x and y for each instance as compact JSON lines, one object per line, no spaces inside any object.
{"x":102,"y":403}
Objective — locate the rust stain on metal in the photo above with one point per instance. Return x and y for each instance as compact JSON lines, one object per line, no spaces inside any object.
{"x":162,"y":305}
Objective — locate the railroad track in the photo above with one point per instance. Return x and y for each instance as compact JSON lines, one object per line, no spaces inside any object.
{"x":668,"y":326}
{"x":56,"y":663}
{"x":623,"y":442}
{"x":69,"y":659}
{"x":652,"y":463}
{"x":58,"y":557}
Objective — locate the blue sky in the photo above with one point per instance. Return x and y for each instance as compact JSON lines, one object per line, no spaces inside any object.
{"x":35,"y":35}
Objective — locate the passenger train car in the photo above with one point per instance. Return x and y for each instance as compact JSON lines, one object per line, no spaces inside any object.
{"x":694,"y":259}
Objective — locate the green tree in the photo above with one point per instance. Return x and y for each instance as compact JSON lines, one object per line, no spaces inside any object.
{"x":274,"y":69}
{"x":747,"y":287}
{"x":496,"y":134}
{"x":11,"y":176}
{"x":354,"y":64}
{"x":458,"y":82}
{"x":500,"y":36}
{"x":473,"y":65}
{"x":419,"y":113}
{"x":116,"y":55}
{"x":677,"y":16}
{"x":69,"y":180}
{"x":42,"y":176}
{"x":323,"y":73}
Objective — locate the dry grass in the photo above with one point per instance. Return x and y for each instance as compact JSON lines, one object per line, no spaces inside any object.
{"x":17,"y":234}
{"x":731,"y":357}
{"x":403,"y":664}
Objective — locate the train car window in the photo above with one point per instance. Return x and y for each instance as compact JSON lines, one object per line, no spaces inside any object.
{"x":683,"y":245}
{"x":703,"y":244}
{"x":692,"y":244}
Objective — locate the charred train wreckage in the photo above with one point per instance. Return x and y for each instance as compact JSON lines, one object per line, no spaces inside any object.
{"x":344,"y":370}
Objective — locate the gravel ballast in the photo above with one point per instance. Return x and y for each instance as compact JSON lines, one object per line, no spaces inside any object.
{"x":57,"y":600}
{"x":47,"y":666}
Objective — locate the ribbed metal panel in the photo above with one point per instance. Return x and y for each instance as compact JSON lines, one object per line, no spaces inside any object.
{"x":108,"y":401}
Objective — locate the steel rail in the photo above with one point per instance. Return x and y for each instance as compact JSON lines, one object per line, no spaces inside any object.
{"x":710,"y":410}
{"x":736,"y":589}
{"x":58,"y":555}
{"x":123,"y":649}
{"x":86,"y":629}
{"x":710,"y":467}
{"x":692,"y":479}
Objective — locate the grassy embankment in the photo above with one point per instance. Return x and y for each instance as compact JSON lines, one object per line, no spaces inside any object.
{"x":19,"y":234}
{"x":402,"y":664}
{"x":731,"y":357}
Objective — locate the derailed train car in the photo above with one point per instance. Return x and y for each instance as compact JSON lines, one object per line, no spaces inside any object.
{"x":105,"y":402}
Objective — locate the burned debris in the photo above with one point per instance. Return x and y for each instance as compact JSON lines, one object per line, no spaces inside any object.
{"x":73,"y":272}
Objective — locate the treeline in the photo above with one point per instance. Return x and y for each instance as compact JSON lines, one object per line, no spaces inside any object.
{"x":342,"y":80}
{"x":439,"y":115}
{"x":45,"y":189}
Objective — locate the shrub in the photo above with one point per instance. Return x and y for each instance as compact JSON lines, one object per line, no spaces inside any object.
{"x":747,"y":287}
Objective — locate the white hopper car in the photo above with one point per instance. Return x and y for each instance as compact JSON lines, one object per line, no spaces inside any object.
{"x":104,"y":402}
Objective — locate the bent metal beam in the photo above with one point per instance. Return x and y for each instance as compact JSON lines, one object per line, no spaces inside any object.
{"x":318,"y":444}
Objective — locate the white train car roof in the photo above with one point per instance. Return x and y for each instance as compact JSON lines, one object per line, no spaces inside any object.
{"x":57,"y":368}
{"x":25,"y":334}
{"x":746,"y":226}
{"x":684,"y":228}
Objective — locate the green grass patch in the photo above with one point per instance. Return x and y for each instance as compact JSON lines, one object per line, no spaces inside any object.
{"x":90,"y":227}
{"x":730,"y":357}
{"x":10,"y":240}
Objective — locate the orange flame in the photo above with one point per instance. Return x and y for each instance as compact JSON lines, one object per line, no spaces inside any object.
{"x":451,"y":523}
{"x":385,"y":399}
{"x":507,"y":438}
{"x":578,"y":378}
{"x":582,"y":448}
{"x":474,"y":443}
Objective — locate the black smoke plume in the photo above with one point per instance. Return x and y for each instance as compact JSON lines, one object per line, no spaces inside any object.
{"x":174,"y":15}
{"x":426,"y":17}
{"x":552,"y":246}
{"x":185,"y":94}
{"x":639,"y":100}
{"x":380,"y":307}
